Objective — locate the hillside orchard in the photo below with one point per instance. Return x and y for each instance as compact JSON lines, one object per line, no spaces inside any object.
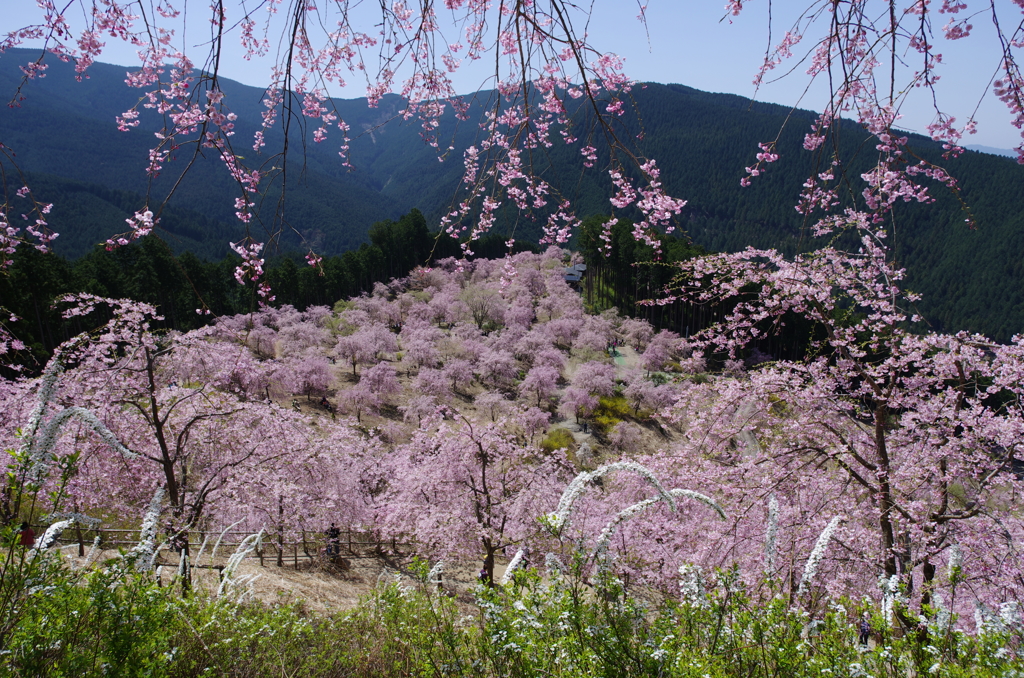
{"x":881,"y":467}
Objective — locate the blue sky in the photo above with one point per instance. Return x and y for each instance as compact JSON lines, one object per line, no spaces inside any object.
{"x":693,"y":43}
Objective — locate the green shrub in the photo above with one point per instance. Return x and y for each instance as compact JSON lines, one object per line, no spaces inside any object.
{"x":610,"y":411}
{"x":115,"y":622}
{"x":556,"y":439}
{"x":109,"y":621}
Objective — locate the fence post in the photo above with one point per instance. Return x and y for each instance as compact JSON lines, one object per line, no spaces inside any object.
{"x":280,"y":531}
{"x":81,"y":543}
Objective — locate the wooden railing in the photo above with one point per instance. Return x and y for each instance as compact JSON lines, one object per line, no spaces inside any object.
{"x":351,"y":544}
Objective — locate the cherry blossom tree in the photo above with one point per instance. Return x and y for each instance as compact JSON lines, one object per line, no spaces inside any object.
{"x":636,"y":332}
{"x":419,"y":343}
{"x":659,"y":351}
{"x":541,"y":381}
{"x":459,"y":372}
{"x":381,"y":380}
{"x":335,"y":479}
{"x":497,"y":368}
{"x":309,"y":373}
{"x":490,"y":402}
{"x":357,"y":348}
{"x":163,"y":424}
{"x":419,"y":407}
{"x":431,"y":382}
{"x":592,"y":380}
{"x":359,"y":398}
{"x":645,"y":394}
{"x":465,"y":490}
{"x":914,"y":432}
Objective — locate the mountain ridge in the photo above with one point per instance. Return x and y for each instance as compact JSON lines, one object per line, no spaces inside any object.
{"x":64,"y":132}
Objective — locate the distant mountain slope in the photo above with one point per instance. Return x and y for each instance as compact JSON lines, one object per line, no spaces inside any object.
{"x":1005,"y":152}
{"x":64,"y":131}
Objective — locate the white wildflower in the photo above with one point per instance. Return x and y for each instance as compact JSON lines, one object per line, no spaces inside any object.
{"x":435,"y":573}
{"x":771,"y":534}
{"x":955,"y":563}
{"x":553,"y":565}
{"x":93,"y":550}
{"x":216,"y":545}
{"x":1009,"y":614}
{"x":890,"y":595}
{"x":52,"y":534}
{"x":248,"y":545}
{"x":811,"y":568}
{"x":40,"y":445}
{"x":691,"y":585}
{"x":636,"y":509}
{"x":702,"y":498}
{"x":580,"y":483}
{"x":943,"y":617}
{"x":144,"y":552}
{"x":88,"y":522}
{"x":202,"y":548}
{"x":858,"y":671}
{"x":517,"y":559}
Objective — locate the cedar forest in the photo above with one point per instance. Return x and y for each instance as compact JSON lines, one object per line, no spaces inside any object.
{"x":665,"y":459}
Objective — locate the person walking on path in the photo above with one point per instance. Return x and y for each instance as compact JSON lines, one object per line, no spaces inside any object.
{"x":26,"y":536}
{"x":333,"y":541}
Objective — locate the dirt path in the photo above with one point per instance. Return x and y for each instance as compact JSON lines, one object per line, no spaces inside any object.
{"x":320,"y":587}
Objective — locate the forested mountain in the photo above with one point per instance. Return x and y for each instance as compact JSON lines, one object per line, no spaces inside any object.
{"x":64,"y":138}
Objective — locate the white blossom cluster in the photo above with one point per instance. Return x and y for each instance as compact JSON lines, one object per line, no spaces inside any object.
{"x":144,"y":553}
{"x":811,"y":568}
{"x":627,"y":513}
{"x":890,"y":595}
{"x":228,"y":583}
{"x":517,"y":559}
{"x":580,"y":483}
{"x":51,"y":535}
{"x":87,"y":521}
{"x":955,"y":562}
{"x":41,"y":436}
{"x":771,"y":535}
{"x":691,"y":585}
{"x":436,"y":572}
{"x":553,"y":565}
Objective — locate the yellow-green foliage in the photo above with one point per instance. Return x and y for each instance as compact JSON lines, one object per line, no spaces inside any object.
{"x":558,"y":438}
{"x":343,"y":305}
{"x":610,"y":411}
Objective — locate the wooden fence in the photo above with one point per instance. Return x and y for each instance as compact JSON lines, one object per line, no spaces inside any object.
{"x":351,"y":544}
